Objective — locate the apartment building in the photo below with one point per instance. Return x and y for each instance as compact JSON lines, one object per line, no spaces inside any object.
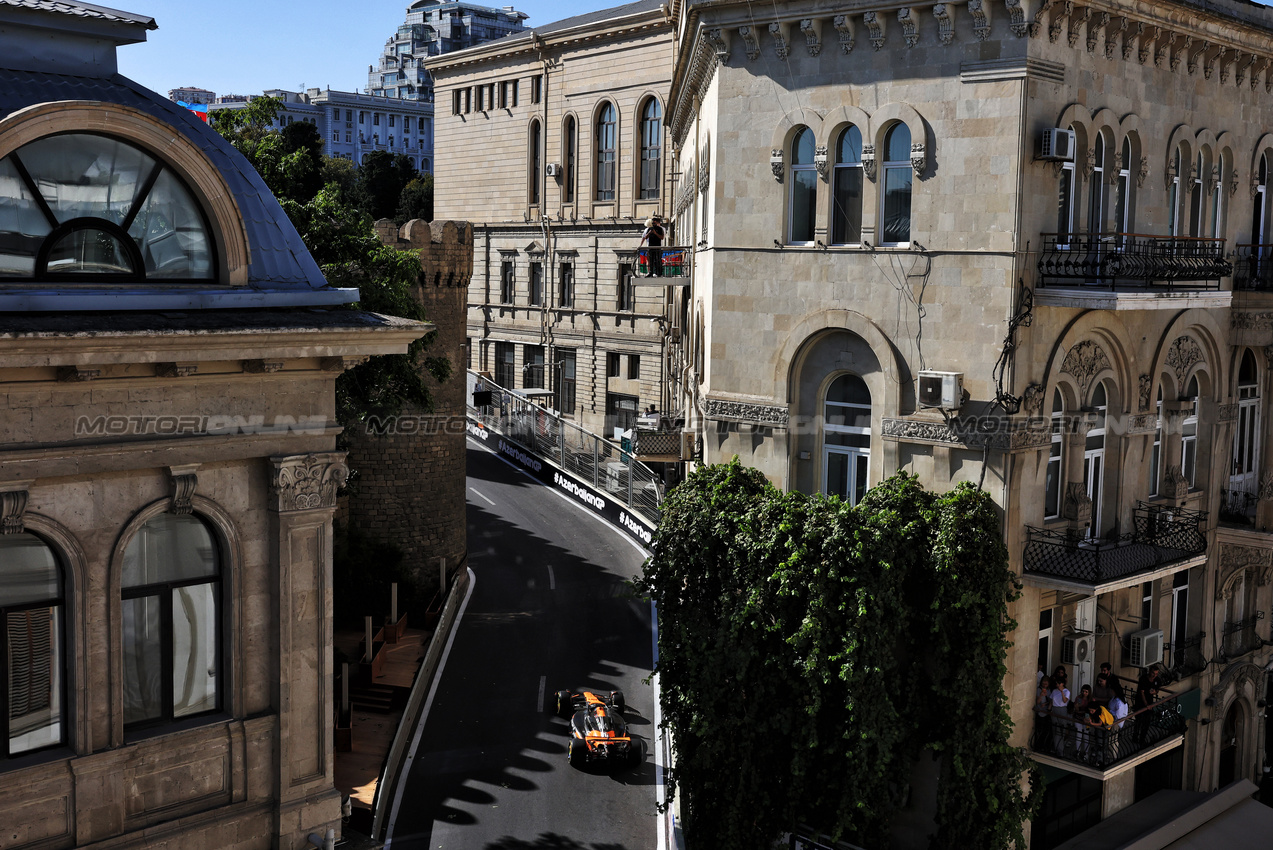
{"x":1023,"y":245}
{"x":552,"y":142}
{"x":192,"y":94}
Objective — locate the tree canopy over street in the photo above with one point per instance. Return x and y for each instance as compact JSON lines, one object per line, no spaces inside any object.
{"x":814,"y":655}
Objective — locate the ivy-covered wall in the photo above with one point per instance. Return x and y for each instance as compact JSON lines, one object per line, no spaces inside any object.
{"x":810,"y":652}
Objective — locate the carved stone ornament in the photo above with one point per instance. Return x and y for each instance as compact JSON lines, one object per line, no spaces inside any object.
{"x":1145,"y":386}
{"x":770,"y":415}
{"x":751,"y":41}
{"x":1266,"y":489}
{"x":1225,"y":58}
{"x":1183,"y":355}
{"x":1094,"y":27}
{"x":716,"y":39}
{"x":1084,"y":362}
{"x":1142,"y":423}
{"x":980,"y":12}
{"x":820,"y":160}
{"x":1147,"y":38}
{"x":1078,"y":20}
{"x":775,"y":164}
{"x":1112,"y":34}
{"x":76,"y":374}
{"x":1130,"y":38}
{"x":1000,"y":435}
{"x":1174,"y":484}
{"x":779,"y":32}
{"x":1191,"y":57}
{"x":945,"y":15}
{"x":910,"y":25}
{"x":307,"y":482}
{"x":1268,"y":355}
{"x":1213,"y":178}
{"x":183,"y":481}
{"x":1032,"y":399}
{"x":259,"y":367}
{"x":1017,"y":22}
{"x":342,"y":364}
{"x":1077,"y":506}
{"x":875,"y":26}
{"x":1227,"y":413}
{"x":1142,"y":172}
{"x":175,"y":370}
{"x":1169,"y":176}
{"x":1059,"y":17}
{"x":1181,"y":52}
{"x":868,"y":160}
{"x":1164,"y":48}
{"x":1233,"y":183}
{"x":919,"y":158}
{"x":13,"y":506}
{"x":1089,"y":163}
{"x":1244,"y":320}
{"x":812,"y":29}
{"x":844,"y":26}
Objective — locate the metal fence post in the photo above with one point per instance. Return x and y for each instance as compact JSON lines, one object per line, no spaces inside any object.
{"x":596,"y":463}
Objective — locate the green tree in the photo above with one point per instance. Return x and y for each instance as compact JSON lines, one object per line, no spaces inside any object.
{"x":381,"y":179}
{"x":805,"y":638}
{"x":416,"y":200}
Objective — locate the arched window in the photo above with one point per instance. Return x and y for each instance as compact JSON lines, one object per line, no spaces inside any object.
{"x":846,"y":438}
{"x":1196,"y":199}
{"x":1096,"y":188}
{"x":1189,"y":435}
{"x":896,"y":197}
{"x":84,"y":208}
{"x":804,"y":189}
{"x":32,"y":655}
{"x":1065,"y":202}
{"x":535,"y":165}
{"x":605,"y":138}
{"x":651,"y":149}
{"x":1259,"y":206}
{"x":1244,"y":477}
{"x":1094,"y":457}
{"x":1123,"y":205}
{"x":1056,"y":469}
{"x":1217,"y":196}
{"x":1155,"y":458}
{"x":171,"y":589}
{"x":569,"y":148}
{"x":1173,"y":193}
{"x":846,"y":197}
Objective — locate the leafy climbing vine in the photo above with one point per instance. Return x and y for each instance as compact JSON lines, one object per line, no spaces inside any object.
{"x":811,"y":653}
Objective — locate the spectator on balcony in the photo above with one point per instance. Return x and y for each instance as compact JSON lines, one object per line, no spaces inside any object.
{"x":1118,"y":711}
{"x":653,"y":236}
{"x":1043,"y":713}
{"x":1061,"y":721}
{"x":1098,"y":722}
{"x":1115,"y":683}
{"x":1079,"y":711}
{"x":1059,"y":676}
{"x":1146,"y":696}
{"x":1102,"y":694}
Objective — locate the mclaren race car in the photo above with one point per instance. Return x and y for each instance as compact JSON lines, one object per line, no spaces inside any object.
{"x":598,"y":732}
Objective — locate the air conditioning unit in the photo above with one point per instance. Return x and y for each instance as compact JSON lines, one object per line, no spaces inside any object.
{"x":1146,"y":648}
{"x":941,"y":389}
{"x":552,"y":169}
{"x":1057,"y":145}
{"x":1076,"y":648}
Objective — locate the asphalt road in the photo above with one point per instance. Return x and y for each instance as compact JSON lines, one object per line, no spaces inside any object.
{"x":549,"y":610}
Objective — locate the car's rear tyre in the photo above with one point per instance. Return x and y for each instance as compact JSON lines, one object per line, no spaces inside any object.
{"x":617,"y":700}
{"x":577,"y":752}
{"x":564,"y":704}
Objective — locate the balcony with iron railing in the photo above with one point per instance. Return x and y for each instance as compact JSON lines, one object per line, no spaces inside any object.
{"x":1253,"y":267}
{"x":1094,"y":750}
{"x":1241,"y":636}
{"x":673,"y":266}
{"x":1185,"y":656}
{"x":1237,"y":507}
{"x":1130,"y":270}
{"x":1163,"y":539}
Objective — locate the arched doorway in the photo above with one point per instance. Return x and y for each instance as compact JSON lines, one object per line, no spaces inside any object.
{"x":1230,"y":739}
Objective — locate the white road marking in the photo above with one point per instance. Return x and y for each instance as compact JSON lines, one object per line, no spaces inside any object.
{"x":543,"y":682}
{"x":552,"y":579}
{"x":480,"y":496}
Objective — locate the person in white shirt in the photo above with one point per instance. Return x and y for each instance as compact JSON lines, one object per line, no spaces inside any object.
{"x":1061,"y":724}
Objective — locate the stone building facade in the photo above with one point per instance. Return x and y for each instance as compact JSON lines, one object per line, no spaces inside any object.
{"x":552,"y":142}
{"x":168,"y":473}
{"x":1020,"y":244}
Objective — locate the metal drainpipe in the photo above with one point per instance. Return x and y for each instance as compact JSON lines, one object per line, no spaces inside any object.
{"x":545,"y":336}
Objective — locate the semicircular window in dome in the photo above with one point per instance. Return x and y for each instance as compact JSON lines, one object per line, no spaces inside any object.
{"x":80,"y":207}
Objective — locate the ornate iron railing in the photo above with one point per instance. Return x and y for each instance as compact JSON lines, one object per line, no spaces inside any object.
{"x":1253,"y":266}
{"x":674,"y":261}
{"x":1241,"y":637}
{"x":1238,"y":506}
{"x":661,"y":443}
{"x":1185,"y":656}
{"x":1121,"y":260}
{"x":1067,"y":739}
{"x":1161,"y":537}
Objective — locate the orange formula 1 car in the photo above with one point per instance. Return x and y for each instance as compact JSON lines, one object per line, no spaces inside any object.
{"x":597,"y":729}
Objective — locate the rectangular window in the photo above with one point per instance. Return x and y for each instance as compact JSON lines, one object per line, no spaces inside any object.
{"x":506,"y":281}
{"x":515,"y":85}
{"x":457,"y":102}
{"x":1189,"y":445}
{"x":533,"y":367}
{"x":536,"y":284}
{"x":335,"y":137}
{"x":634,"y":367}
{"x":375,"y":118}
{"x":503,"y":95}
{"x":627,"y":291}
{"x":897,"y":205}
{"x":537,"y":88}
{"x":566,"y":380}
{"x":804,"y":193}
{"x":505,"y":364}
{"x":468,"y":100}
{"x":612,"y":365}
{"x":1052,"y":506}
{"x":392,"y":119}
{"x":566,"y":288}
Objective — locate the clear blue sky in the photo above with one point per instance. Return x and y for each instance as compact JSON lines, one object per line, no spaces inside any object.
{"x":242,"y":47}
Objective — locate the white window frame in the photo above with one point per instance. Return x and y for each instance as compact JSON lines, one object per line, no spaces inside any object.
{"x":1189,"y":436}
{"x":803,"y":169}
{"x":1094,"y":461}
{"x":858,"y":458}
{"x":886,"y":167}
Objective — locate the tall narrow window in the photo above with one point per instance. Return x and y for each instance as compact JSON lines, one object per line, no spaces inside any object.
{"x":1189,"y":435}
{"x":1052,"y":498}
{"x":1122,"y":204}
{"x":534,"y":178}
{"x":536,"y":283}
{"x":627,"y":291}
{"x":536,"y":89}
{"x":605,"y":139}
{"x":846,"y":438}
{"x":1259,"y":206}
{"x":506,"y":281}
{"x":1094,"y":457}
{"x":566,"y":284}
{"x":1244,"y":477}
{"x":804,"y":188}
{"x":533,"y":366}
{"x":1173,"y":195}
{"x":565,"y":380}
{"x":1196,"y":199}
{"x":505,"y":365}
{"x":1155,"y":457}
{"x":846,"y":197}
{"x":32,"y":683}
{"x":1217,"y":196}
{"x":1096,"y":188}
{"x":171,"y":647}
{"x":569,"y":146}
{"x":1065,"y":203}
{"x":896,"y":196}
{"x":651,"y":148}
{"x":1179,"y":617}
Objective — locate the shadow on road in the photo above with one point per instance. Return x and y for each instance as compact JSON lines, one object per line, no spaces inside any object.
{"x":549,"y":841}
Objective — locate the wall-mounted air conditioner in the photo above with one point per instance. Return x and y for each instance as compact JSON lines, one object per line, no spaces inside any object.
{"x":1146,"y":648}
{"x":552,"y":169}
{"x":941,"y":389}
{"x":1076,"y":648}
{"x":1056,"y":145}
